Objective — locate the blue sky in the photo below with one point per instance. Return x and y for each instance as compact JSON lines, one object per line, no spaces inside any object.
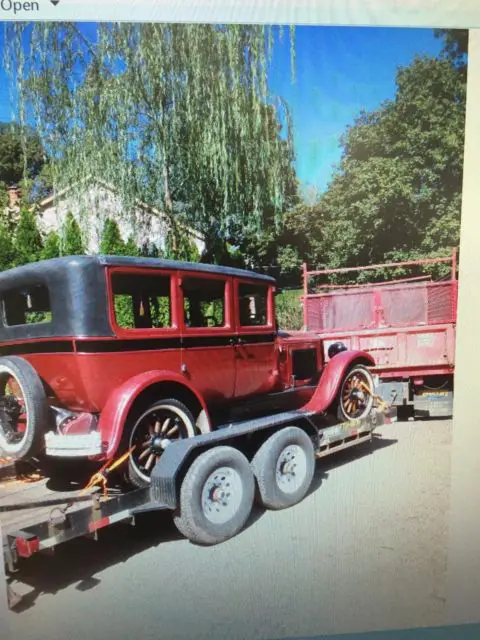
{"x":340,"y":70}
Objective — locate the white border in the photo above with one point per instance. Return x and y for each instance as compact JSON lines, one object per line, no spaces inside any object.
{"x":418,"y":13}
{"x":463,"y":602}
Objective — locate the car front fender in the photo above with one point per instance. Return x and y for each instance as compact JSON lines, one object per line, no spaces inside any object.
{"x":117,"y":408}
{"x":332,"y":377}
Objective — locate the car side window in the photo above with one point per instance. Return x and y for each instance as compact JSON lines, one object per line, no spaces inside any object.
{"x":142,"y":301}
{"x":204,"y":302}
{"x":253,"y":305}
{"x":30,"y":305}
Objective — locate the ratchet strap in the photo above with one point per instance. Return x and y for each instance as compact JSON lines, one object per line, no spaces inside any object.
{"x":381,"y":402}
{"x":100,"y":477}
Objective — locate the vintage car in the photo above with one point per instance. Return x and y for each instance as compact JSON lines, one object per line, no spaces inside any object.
{"x":104,"y":354}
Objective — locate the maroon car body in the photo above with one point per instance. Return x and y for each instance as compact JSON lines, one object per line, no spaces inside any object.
{"x":108,"y":337}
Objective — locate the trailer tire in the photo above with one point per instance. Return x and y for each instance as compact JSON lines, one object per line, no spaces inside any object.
{"x":30,"y":397}
{"x":343,"y":413}
{"x":284,"y":467}
{"x":216,"y":496}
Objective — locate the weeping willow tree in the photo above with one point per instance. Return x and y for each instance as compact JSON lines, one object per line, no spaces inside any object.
{"x":179,"y":116}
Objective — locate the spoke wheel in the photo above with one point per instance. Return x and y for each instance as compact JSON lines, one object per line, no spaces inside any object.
{"x":14,"y":418}
{"x":161,"y":424}
{"x":23,"y":409}
{"x":356,"y":394}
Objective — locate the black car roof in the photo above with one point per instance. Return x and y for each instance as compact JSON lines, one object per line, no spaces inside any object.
{"x":67,"y":262}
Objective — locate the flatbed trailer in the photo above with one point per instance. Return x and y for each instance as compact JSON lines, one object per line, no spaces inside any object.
{"x":209,"y":483}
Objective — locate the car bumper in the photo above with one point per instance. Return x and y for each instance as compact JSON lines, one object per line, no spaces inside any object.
{"x":73,"y":446}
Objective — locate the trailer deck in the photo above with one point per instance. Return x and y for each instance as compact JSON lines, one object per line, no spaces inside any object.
{"x":29,"y":498}
{"x":38,"y":516}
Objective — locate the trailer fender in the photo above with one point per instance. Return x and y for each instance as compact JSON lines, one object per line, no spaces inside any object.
{"x":332,"y":376}
{"x":115,"y":413}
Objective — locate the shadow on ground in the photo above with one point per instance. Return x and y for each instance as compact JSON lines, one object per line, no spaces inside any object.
{"x":324,"y":465}
{"x":79,"y":561}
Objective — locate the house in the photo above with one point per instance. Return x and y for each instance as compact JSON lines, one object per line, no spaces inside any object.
{"x":100,"y":201}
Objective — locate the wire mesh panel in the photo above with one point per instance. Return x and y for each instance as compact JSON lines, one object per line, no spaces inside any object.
{"x":442,"y":302}
{"x":405,"y":305}
{"x":411,"y":300}
{"x":341,"y":310}
{"x":408,"y":305}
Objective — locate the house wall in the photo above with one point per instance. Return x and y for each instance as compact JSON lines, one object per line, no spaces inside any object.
{"x":98,"y":204}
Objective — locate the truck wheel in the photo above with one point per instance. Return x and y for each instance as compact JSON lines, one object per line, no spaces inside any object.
{"x":161,"y":424}
{"x":284,"y":467}
{"x":216,"y":496}
{"x":23,"y":409}
{"x":354,"y":400}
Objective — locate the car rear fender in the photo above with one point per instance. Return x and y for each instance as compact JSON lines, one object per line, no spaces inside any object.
{"x":120,"y":402}
{"x":332,"y":377}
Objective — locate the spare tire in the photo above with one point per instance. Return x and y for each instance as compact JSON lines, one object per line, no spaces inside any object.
{"x":23,"y":409}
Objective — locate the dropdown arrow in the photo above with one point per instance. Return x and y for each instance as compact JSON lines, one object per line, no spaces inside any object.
{"x":54,"y":2}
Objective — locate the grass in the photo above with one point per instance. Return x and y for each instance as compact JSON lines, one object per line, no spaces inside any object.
{"x":290,"y":309}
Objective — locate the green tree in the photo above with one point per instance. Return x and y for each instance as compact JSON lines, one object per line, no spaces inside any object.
{"x":34,"y":189}
{"x":111,"y":242}
{"x":21,"y":153}
{"x":28,"y":241}
{"x":150,"y":250}
{"x":51,"y":247}
{"x":71,"y":242}
{"x":7,"y":249}
{"x":455,"y":44}
{"x":290,"y":264}
{"x":130,"y":248}
{"x":179,"y":246}
{"x":187,"y":103}
{"x":3,"y":195}
{"x":397,"y":191}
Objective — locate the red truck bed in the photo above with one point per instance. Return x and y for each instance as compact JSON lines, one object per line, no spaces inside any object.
{"x":407,"y":324}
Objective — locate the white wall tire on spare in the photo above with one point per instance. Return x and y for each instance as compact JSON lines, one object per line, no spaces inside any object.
{"x":355,"y":399}
{"x":284,"y":467}
{"x":161,"y":424}
{"x":24,"y":410}
{"x":216,"y":496}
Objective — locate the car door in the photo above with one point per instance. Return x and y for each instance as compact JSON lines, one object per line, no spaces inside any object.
{"x":205,"y":306}
{"x":144,"y":321}
{"x":255,"y":345}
